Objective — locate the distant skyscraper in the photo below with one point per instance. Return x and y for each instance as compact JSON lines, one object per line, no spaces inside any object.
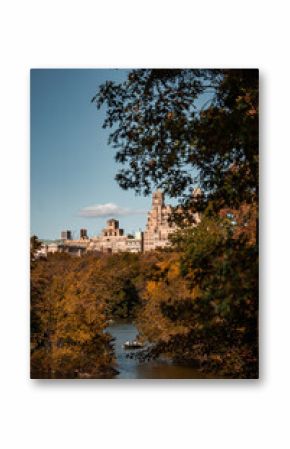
{"x":66,"y":235}
{"x":158,"y":228}
{"x":83,"y":234}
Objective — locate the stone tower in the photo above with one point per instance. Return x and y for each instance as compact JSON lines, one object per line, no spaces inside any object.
{"x":158,"y":227}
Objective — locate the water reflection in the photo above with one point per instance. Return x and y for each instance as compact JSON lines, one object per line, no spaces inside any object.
{"x":132,"y":369}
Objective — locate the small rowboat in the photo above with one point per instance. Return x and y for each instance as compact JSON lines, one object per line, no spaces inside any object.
{"x":132,"y":345}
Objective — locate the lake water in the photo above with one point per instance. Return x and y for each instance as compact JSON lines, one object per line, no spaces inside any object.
{"x":133,"y":369}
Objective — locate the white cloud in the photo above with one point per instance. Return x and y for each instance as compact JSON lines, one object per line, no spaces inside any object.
{"x":107,"y":210}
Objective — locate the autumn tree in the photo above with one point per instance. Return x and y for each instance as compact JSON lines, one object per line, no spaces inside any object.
{"x":68,"y":321}
{"x":116,"y":278}
{"x":175,"y":130}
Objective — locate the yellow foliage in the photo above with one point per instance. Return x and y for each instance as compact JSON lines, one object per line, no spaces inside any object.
{"x":168,"y":289}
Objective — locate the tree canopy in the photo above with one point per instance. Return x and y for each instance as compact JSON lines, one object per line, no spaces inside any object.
{"x":177,"y":129}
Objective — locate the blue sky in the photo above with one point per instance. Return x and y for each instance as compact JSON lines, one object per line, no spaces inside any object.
{"x":72,"y":167}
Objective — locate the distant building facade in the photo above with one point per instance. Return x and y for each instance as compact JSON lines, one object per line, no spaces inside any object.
{"x":66,"y":235}
{"x":112,"y":238}
{"x":83,"y":234}
{"x":158,"y":227}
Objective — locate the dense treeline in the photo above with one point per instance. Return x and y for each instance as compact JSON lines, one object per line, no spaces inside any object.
{"x":68,"y":318}
{"x":201,"y":307}
{"x":72,"y":302}
{"x":195,"y":302}
{"x":176,"y":130}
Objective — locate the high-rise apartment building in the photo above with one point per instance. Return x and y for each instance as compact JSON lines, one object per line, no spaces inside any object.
{"x":83,"y":234}
{"x":66,"y":235}
{"x":158,"y":226}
